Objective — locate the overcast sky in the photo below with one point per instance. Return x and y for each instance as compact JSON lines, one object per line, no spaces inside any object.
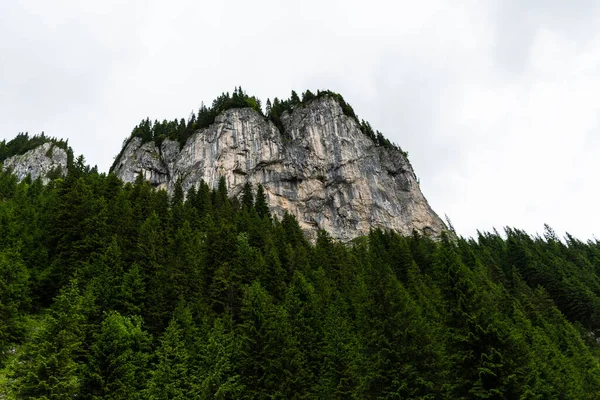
{"x":497,"y":102}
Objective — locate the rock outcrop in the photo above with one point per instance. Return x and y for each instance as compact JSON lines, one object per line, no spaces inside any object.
{"x":322,"y":169}
{"x":38,"y":162}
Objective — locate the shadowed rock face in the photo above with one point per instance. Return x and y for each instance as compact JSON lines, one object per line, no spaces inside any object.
{"x":38,"y":162}
{"x":322,"y":169}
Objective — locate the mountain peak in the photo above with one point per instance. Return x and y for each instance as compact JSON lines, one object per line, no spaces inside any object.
{"x":313,"y":157}
{"x":37,"y":156}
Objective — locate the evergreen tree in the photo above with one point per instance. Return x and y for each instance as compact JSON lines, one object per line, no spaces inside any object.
{"x":476,"y":334}
{"x":106,"y":275}
{"x":294,"y":98}
{"x":393,"y":332}
{"x":51,"y":365}
{"x":170,"y":378}
{"x":14,"y":299}
{"x":261,"y":205}
{"x":247,"y":197}
{"x":131,"y":299}
{"x":218,"y":355}
{"x":265,"y":362}
{"x":118,"y":368}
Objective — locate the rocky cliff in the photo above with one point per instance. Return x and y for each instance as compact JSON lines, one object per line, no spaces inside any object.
{"x":321,"y":168}
{"x":38,"y":162}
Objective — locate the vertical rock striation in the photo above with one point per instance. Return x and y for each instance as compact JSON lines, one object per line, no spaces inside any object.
{"x":322,"y":169}
{"x":38,"y":162}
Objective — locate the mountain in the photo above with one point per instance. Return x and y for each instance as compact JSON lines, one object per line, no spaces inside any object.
{"x":314,"y":161}
{"x":113,"y":290}
{"x":37,"y":157}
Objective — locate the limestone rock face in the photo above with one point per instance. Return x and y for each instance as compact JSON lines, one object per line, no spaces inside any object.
{"x":38,"y":162}
{"x":322,"y":169}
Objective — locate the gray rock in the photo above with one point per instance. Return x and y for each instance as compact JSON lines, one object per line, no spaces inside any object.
{"x":322,"y":169}
{"x":38,"y":162}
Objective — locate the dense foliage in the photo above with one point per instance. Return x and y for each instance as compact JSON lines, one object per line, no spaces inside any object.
{"x":180,"y":130}
{"x":22,"y":143}
{"x":118,"y":291}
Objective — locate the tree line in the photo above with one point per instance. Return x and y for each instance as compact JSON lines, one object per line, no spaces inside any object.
{"x":180,"y":129}
{"x":22,"y":143}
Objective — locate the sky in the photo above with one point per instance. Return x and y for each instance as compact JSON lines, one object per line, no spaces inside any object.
{"x":496,"y":101}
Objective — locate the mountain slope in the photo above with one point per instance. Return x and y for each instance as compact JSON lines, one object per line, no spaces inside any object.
{"x":320,"y":167}
{"x":37,"y":156}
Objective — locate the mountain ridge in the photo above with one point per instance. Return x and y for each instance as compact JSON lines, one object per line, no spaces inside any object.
{"x":319,"y":164}
{"x":312,"y":155}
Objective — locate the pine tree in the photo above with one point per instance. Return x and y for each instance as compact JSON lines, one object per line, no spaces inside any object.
{"x":305,"y":318}
{"x":221,"y":202}
{"x":152,"y":260}
{"x":107,"y":275}
{"x":178,"y":196}
{"x":477,"y":336}
{"x":340,"y":368}
{"x":131,"y":298}
{"x":266,"y":352}
{"x":307,"y":96}
{"x":294,"y":98}
{"x":247,"y":197}
{"x":14,"y":298}
{"x":118,"y":368}
{"x":260,"y":204}
{"x":393,"y":337}
{"x":184,"y":270}
{"x":218,"y":357}
{"x":51,"y":365}
{"x":78,"y":230}
{"x":170,"y":378}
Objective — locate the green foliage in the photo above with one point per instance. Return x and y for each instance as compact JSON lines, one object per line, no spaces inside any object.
{"x":261,"y":205}
{"x":117,"y":291}
{"x":216,"y":363}
{"x":22,"y":143}
{"x":50,"y":366}
{"x":14,"y":299}
{"x":180,"y":130}
{"x":171,"y":377}
{"x":118,"y":359}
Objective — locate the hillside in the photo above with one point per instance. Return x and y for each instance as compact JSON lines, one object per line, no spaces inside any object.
{"x":224,"y":284}
{"x":313,"y":158}
{"x":118,"y":291}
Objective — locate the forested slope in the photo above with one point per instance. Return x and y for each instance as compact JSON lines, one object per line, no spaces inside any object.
{"x":22,"y":143}
{"x":120,"y":292}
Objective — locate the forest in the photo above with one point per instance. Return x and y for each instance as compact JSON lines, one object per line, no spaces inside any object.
{"x":118,"y":291}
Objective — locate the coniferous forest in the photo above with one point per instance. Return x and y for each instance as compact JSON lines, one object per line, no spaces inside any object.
{"x":118,"y":291}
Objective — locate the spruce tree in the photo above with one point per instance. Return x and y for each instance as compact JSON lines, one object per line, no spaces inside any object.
{"x":260,"y":204}
{"x":52,"y":364}
{"x":119,"y":358}
{"x":170,"y":378}
{"x":14,"y":299}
